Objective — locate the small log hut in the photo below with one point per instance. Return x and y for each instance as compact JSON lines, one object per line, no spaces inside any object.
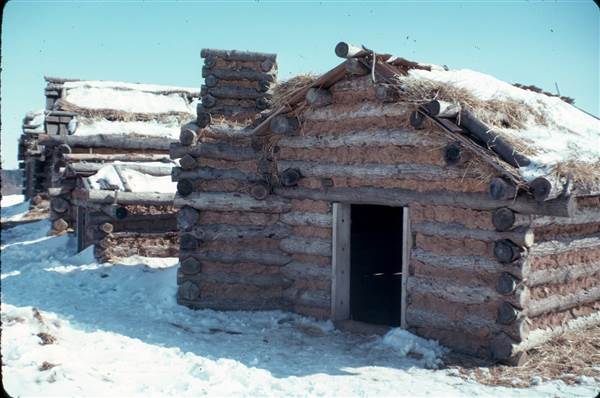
{"x":125,"y":209}
{"x":94,"y":123}
{"x":368,"y":197}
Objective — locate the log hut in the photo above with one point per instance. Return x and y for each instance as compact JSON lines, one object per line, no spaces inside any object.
{"x":125,"y":209}
{"x":391,"y":192}
{"x":94,"y":123}
{"x":32,"y":158}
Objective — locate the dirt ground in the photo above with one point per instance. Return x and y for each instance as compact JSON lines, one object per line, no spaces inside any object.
{"x":569,"y":358}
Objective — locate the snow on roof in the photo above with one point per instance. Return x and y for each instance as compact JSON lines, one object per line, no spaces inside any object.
{"x":108,"y":177}
{"x":554,"y":132}
{"x":133,"y":101}
{"x":106,"y":84}
{"x":108,"y":107}
{"x":165,"y":128}
{"x":34,"y":121}
{"x":566,"y":132}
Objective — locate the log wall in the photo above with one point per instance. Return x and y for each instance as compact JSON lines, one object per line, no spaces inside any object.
{"x":475,"y":286}
{"x":148,"y":231}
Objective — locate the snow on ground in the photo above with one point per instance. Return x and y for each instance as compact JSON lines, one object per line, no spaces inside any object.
{"x":13,"y":207}
{"x":119,"y":332}
{"x":570,"y":133}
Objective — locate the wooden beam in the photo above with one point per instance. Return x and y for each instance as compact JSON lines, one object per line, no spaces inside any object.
{"x":404,"y":197}
{"x":340,"y":303}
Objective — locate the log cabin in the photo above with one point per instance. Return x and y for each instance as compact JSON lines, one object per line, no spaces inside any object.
{"x":124,"y":209}
{"x":94,"y":123}
{"x":390,"y":192}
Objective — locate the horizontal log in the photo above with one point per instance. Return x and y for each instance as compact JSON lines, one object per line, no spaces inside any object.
{"x":347,"y":50}
{"x":234,"y":92}
{"x":564,"y":245}
{"x":124,"y":198}
{"x":232,"y":202}
{"x":309,"y":246}
{"x":561,"y":275}
{"x":210,"y":173}
{"x":492,"y":140}
{"x":220,"y":150}
{"x":546,"y":188}
{"x":439,"y":108}
{"x":503,"y":347}
{"x":451,"y":291}
{"x":471,"y":324}
{"x":299,"y":218}
{"x":375,"y":138}
{"x":125,"y":141}
{"x":234,"y":232}
{"x":153,"y":170}
{"x":265,"y":257}
{"x":234,"y":55}
{"x":364,"y":109}
{"x":404,"y":197}
{"x":300,"y":270}
{"x":239,"y":278}
{"x":372,"y":170}
{"x":469,"y":263}
{"x":580,"y":216}
{"x":241,"y":74}
{"x":121,"y":157}
{"x":557,"y":303}
{"x":522,"y":237}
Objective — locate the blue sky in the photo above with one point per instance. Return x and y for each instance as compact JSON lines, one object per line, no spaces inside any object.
{"x":159,"y":42}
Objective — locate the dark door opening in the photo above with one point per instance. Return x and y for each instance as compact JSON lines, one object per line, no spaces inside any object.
{"x":376,"y":264}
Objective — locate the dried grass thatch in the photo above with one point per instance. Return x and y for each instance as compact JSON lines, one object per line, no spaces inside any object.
{"x":506,"y":113}
{"x":116,"y":115}
{"x":283,"y":90}
{"x":585,"y":176}
{"x":565,"y":358}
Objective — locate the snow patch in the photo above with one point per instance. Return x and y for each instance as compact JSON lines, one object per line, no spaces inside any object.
{"x":168,"y":128}
{"x":404,"y":342}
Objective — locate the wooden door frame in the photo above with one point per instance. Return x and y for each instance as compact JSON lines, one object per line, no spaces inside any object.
{"x":340,"y":281}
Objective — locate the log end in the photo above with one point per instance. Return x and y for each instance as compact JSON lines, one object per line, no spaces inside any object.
{"x":507,"y":314}
{"x":503,"y":219}
{"x":185,"y":187}
{"x":342,"y":49}
{"x":507,"y":284}
{"x":260,"y":190}
{"x":500,"y":189}
{"x":290,"y":177}
{"x":540,"y":188}
{"x":190,"y":266}
{"x":506,"y":251}
{"x":188,"y":290}
{"x":188,"y":242}
{"x":452,"y":153}
{"x":417,"y":120}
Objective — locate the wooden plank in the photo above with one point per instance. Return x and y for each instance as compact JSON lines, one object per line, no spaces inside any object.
{"x":340,"y":303}
{"x":406,"y":245}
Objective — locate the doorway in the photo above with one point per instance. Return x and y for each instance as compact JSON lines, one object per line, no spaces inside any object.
{"x":376,"y":248}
